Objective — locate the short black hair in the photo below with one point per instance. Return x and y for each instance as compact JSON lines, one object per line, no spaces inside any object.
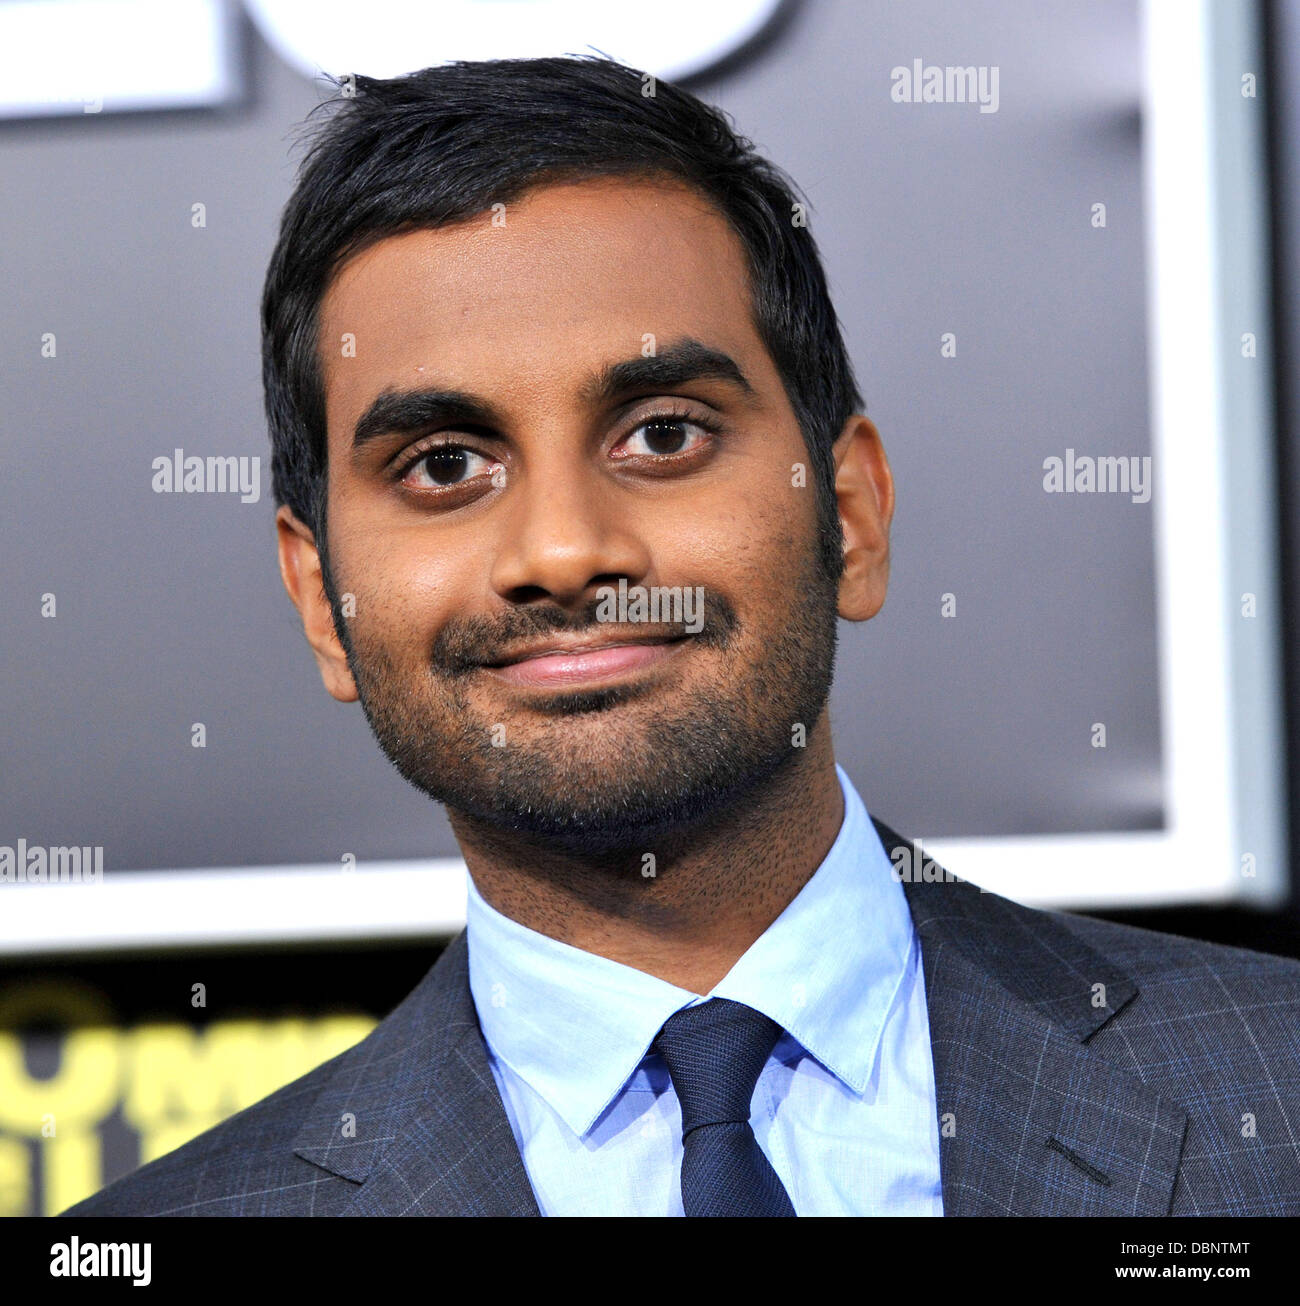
{"x":446,"y":143}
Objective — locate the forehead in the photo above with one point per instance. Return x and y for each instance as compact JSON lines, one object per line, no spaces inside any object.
{"x":569,"y":277}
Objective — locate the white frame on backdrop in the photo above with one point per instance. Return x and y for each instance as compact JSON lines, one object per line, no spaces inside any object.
{"x":1206,"y":194}
{"x":1220,"y":678}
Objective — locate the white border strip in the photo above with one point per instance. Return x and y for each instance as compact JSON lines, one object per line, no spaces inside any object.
{"x":262,"y":904}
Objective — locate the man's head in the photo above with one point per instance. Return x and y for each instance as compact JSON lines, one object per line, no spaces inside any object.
{"x":530,"y":332}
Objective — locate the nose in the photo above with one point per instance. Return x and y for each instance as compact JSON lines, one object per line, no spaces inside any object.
{"x":566,"y":531}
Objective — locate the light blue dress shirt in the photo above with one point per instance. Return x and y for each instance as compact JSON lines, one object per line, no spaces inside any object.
{"x":844,"y":1108}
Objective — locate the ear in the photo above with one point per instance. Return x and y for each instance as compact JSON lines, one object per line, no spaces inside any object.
{"x":864,"y":490}
{"x":301,"y":573}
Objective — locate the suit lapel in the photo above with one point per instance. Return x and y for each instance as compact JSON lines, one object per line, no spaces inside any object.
{"x":413,"y":1115}
{"x":1032,"y":1121}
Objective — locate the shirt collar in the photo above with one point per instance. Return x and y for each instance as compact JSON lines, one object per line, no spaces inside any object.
{"x":574,"y":1026}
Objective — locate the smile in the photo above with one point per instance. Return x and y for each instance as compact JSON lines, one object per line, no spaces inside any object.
{"x":547,"y":668}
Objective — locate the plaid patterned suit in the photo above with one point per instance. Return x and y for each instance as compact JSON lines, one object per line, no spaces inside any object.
{"x":1081,"y":1068}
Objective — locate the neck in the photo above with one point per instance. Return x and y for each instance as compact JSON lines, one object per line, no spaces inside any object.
{"x":715,"y":888}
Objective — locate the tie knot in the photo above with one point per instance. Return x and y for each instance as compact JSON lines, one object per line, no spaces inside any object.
{"x":715,"y":1051}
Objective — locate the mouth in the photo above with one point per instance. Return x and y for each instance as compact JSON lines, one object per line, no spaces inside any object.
{"x":567,"y":663}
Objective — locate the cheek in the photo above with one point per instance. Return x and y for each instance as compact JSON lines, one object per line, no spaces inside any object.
{"x":404,"y":589}
{"x":756,"y":536}
{"x":761,"y":515}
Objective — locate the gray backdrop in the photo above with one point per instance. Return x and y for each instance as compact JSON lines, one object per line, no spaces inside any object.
{"x":933,"y":218}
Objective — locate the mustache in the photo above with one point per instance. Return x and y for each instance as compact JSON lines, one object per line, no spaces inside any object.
{"x":466,"y":643}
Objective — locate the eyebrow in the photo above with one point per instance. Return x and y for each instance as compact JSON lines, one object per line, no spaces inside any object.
{"x":404,"y":412}
{"x":682,"y":361}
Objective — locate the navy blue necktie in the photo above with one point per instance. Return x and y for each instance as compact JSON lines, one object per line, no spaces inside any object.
{"x":714,"y":1052}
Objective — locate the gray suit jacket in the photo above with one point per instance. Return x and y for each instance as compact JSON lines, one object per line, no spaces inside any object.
{"x":1080,"y":1067}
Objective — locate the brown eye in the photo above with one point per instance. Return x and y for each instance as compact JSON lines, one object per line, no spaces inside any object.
{"x":445,"y":466}
{"x":664,"y":436}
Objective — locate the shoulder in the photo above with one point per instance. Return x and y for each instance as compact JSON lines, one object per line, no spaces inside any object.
{"x":1215,"y":1028}
{"x":286,"y":1155}
{"x":1201,"y":1018}
{"x":1217,"y":1031}
{"x":1181,"y":972}
{"x":243,"y":1166}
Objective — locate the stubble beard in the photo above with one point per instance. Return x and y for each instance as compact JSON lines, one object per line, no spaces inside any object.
{"x":609,"y":770}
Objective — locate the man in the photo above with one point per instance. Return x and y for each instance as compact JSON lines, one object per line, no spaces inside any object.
{"x":573,"y":489}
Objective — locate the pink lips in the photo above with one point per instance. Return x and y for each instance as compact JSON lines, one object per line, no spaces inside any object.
{"x":581,"y":665}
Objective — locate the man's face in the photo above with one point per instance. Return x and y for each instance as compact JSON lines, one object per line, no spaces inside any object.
{"x":606,"y":412}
